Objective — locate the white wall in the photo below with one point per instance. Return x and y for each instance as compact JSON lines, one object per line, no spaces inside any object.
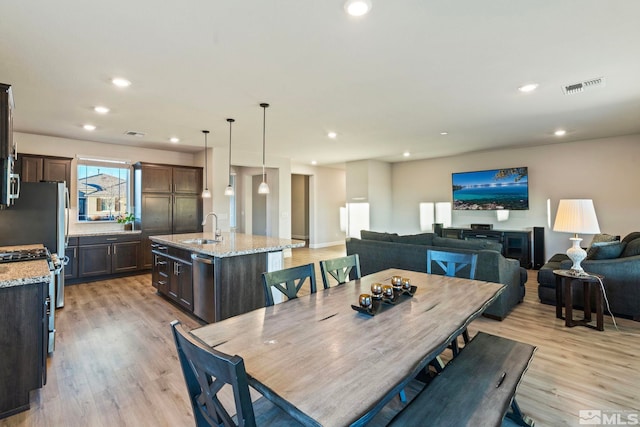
{"x":604,"y":170}
{"x":370,"y":181}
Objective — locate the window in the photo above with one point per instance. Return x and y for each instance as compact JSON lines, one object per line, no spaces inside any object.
{"x":103,"y":189}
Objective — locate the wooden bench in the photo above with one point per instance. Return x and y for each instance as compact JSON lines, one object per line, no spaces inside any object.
{"x":477,"y":388}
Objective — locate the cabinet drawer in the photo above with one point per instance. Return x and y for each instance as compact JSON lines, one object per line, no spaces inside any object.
{"x":108,"y":238}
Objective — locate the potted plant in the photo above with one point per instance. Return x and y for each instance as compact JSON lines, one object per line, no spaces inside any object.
{"x":127,"y":219}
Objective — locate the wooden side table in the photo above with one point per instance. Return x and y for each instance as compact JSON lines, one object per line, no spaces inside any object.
{"x":565,"y":279}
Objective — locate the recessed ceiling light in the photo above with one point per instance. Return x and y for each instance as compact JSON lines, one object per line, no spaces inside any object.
{"x":406,"y":154}
{"x":101,"y":109}
{"x":332,"y":135}
{"x":120,"y":82}
{"x":444,"y":133}
{"x":560,"y":132}
{"x":88,"y":127}
{"x":313,"y":162}
{"x":530,"y":87}
{"x":174,"y":139}
{"x":357,"y":7}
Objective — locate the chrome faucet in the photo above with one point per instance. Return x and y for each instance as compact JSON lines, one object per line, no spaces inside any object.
{"x":217,"y":232}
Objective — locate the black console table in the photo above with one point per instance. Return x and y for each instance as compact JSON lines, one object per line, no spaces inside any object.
{"x":515,"y":244}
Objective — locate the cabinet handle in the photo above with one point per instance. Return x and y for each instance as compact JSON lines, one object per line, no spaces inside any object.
{"x":115,"y":248}
{"x":111,"y":238}
{"x":75,"y":254}
{"x":162,"y":282}
{"x":176,"y":268}
{"x":108,"y":250}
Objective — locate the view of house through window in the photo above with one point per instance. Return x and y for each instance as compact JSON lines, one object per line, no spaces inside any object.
{"x":103,"y":191}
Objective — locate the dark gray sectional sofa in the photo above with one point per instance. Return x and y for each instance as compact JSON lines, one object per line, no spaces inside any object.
{"x":379,"y":251}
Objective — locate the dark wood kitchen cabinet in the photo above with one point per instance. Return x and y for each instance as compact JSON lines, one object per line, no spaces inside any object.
{"x":106,"y":255}
{"x":172,"y":274}
{"x":71,"y":252}
{"x":170,"y":202}
{"x":23,"y":365}
{"x":36,"y":168}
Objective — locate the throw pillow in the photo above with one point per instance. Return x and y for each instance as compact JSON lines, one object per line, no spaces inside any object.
{"x":425,"y":239}
{"x":632,"y":249}
{"x":374,"y":235}
{"x":599,"y":238}
{"x":606,"y":250}
{"x":631,"y":236}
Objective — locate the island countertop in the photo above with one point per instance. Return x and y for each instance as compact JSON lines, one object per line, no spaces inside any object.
{"x":232,"y":244}
{"x":23,"y":272}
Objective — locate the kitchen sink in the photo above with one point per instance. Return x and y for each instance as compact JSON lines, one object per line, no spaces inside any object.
{"x":200,"y":241}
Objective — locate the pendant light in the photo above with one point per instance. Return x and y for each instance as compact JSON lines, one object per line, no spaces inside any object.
{"x":229,"y":190}
{"x":206,"y":194}
{"x":264,"y":187}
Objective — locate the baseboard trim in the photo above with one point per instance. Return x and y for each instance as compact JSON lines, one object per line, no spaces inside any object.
{"x":325,"y":245}
{"x":299,"y":237}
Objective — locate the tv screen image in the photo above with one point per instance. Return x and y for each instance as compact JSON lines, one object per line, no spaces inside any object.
{"x":493,"y":189}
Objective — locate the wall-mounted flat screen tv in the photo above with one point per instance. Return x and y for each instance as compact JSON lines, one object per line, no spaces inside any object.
{"x":493,"y":189}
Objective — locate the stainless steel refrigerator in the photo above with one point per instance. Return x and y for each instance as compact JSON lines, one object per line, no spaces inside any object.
{"x":39,"y":216}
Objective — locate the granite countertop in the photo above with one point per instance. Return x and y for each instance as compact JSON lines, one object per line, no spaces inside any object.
{"x":233,"y":244}
{"x":23,"y":272}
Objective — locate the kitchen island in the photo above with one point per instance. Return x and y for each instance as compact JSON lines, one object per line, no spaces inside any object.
{"x":214,"y":279}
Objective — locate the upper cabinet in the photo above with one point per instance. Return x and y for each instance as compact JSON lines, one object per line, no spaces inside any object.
{"x":36,"y":168}
{"x":187,"y":180}
{"x":170,"y":179}
{"x":6,"y":121}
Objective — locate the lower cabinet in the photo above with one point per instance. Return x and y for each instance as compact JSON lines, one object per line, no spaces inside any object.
{"x":24,"y":335}
{"x":71,"y":253}
{"x":172,"y":274}
{"x":104,"y":255}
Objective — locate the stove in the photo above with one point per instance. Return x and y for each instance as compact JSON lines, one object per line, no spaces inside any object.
{"x":24,"y":255}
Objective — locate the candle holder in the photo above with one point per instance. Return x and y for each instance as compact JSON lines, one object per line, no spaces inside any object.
{"x":376,"y":290}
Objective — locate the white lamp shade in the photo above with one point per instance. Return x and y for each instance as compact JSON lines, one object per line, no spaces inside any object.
{"x":206,"y":194}
{"x":228,"y":191}
{"x":576,"y":216}
{"x":263,"y":188}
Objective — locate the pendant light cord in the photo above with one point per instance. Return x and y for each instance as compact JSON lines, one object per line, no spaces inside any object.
{"x":230,"y":123}
{"x":264,"y":127}
{"x":206,"y":169}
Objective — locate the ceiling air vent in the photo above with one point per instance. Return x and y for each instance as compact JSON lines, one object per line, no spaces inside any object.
{"x":582,"y":86}
{"x":134,"y":133}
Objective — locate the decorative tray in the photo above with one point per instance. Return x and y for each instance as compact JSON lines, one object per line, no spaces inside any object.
{"x":380,"y":305}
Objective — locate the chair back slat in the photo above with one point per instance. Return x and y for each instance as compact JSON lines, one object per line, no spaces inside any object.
{"x":206,"y":371}
{"x":452,"y":262}
{"x":341,"y":269}
{"x":289,"y":281}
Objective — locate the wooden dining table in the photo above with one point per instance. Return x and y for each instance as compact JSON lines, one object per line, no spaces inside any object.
{"x":329,"y":365}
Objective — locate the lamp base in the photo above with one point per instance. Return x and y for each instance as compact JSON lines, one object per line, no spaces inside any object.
{"x":577,"y":255}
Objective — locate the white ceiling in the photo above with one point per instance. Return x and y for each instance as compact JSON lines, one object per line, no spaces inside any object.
{"x":387,"y":82}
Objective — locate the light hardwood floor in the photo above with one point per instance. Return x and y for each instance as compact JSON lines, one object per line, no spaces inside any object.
{"x":115,"y":362}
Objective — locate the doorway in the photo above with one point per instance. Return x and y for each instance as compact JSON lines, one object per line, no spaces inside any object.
{"x":300,"y":207}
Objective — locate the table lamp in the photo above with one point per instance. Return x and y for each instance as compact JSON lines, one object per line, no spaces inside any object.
{"x":576,"y":216}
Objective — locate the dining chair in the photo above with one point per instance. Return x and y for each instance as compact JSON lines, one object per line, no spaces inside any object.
{"x":341,"y":269}
{"x":206,"y":371}
{"x":452,"y":263}
{"x":288,"y":281}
